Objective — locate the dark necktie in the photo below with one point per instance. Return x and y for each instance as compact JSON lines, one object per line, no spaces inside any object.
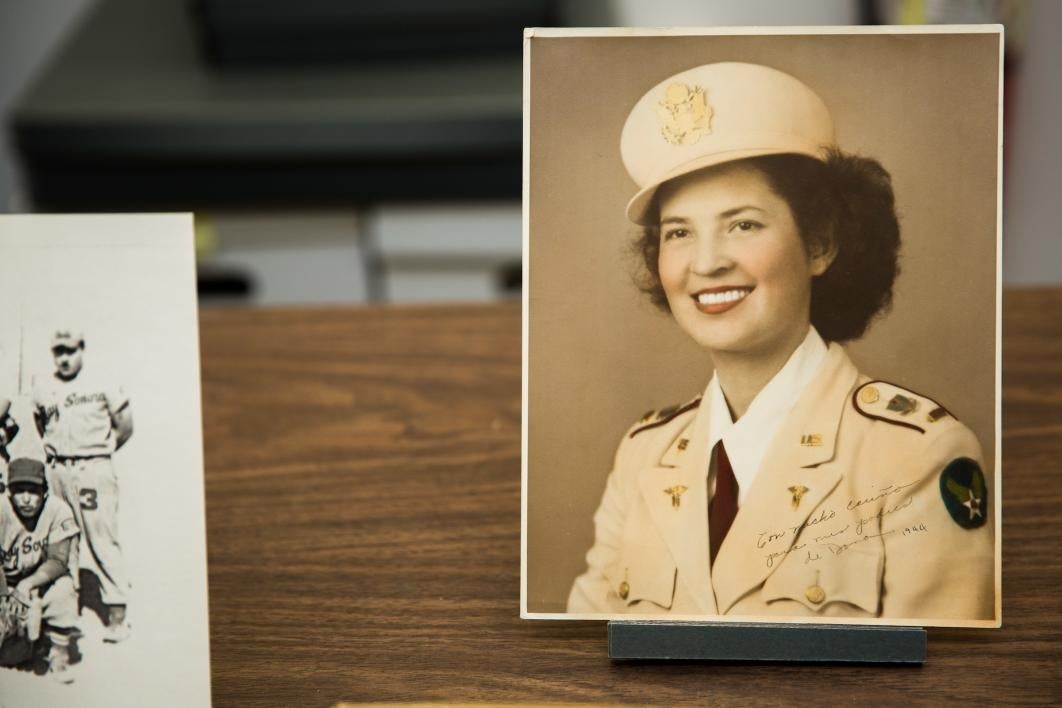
{"x":723,"y":507}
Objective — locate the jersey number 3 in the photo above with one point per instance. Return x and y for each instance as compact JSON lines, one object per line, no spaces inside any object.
{"x":88,"y":499}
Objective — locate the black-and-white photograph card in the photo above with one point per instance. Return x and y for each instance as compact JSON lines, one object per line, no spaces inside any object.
{"x":103,"y":594}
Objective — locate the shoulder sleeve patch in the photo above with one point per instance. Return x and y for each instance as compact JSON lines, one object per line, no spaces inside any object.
{"x":965,"y":494}
{"x":881,"y":400}
{"x":663,"y":416}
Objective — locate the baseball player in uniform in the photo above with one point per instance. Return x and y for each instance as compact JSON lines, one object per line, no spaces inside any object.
{"x":37,"y":532}
{"x":82,"y":422}
{"x":8,"y":429}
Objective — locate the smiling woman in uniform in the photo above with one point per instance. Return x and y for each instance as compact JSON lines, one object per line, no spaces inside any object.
{"x":795,"y":485}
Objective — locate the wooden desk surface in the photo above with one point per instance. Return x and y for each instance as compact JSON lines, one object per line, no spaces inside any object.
{"x":363,"y":513}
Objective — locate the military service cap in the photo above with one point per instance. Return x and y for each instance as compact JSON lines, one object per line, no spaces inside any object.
{"x":718,"y":113}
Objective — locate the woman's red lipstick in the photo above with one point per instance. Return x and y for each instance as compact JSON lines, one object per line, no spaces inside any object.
{"x":715,"y":301}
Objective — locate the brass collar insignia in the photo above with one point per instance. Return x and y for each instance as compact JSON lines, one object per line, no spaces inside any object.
{"x":676,"y":494}
{"x":798,"y":491}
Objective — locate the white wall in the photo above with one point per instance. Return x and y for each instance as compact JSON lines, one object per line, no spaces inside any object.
{"x":30,"y":30}
{"x":641,"y":13}
{"x":1032,"y":204}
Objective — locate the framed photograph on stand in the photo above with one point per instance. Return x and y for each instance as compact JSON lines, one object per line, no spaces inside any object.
{"x":785,"y":245}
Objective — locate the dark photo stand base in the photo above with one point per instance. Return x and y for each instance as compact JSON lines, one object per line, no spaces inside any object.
{"x":766,"y":642}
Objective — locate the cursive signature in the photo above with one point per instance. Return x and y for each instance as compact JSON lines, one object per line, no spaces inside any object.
{"x":886,"y":491}
{"x":782,"y":554}
{"x":768,"y":537}
{"x":824,"y":516}
{"x":839,"y":548}
{"x":883,"y":512}
{"x":838,"y":532}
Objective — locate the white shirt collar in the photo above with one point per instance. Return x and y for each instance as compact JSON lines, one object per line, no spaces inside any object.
{"x":748,"y":439}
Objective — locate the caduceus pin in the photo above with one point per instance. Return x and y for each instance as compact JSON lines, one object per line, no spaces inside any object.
{"x":676,"y":495}
{"x":798,"y":491}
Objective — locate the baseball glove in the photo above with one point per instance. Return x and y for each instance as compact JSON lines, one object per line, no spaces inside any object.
{"x":8,"y":431}
{"x":14,"y":616}
{"x":20,"y":626}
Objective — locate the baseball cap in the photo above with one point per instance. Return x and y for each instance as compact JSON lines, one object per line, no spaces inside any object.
{"x":67,"y":338}
{"x":25,"y":470}
{"x":717,"y":113}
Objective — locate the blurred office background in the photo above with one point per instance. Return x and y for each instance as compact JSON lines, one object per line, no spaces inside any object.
{"x":347,"y":152}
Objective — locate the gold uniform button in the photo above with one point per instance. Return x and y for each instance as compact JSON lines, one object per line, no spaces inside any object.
{"x":869,"y":394}
{"x":624,"y":590}
{"x":815,"y":594}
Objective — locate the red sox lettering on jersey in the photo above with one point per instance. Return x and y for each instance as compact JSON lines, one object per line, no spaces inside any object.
{"x":22,"y":550}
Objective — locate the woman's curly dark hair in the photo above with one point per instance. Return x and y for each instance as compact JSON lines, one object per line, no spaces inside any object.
{"x":845,"y":202}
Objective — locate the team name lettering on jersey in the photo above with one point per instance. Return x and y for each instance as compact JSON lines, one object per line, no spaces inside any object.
{"x":77,"y":414}
{"x":77,"y":400}
{"x":24,"y":547}
{"x":23,"y":550}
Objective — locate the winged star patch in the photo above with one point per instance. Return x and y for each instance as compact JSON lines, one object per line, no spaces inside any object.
{"x":962,"y":485}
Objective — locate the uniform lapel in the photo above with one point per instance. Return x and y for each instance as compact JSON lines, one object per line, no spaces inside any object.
{"x":804,"y":441}
{"x":685,"y":527}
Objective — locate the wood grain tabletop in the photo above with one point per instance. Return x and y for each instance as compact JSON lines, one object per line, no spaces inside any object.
{"x":363,"y":516}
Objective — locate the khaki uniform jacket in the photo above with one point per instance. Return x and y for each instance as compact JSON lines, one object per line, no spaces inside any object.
{"x":870,"y":535}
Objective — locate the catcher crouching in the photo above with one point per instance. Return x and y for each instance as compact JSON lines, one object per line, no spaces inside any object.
{"x":36,"y":586}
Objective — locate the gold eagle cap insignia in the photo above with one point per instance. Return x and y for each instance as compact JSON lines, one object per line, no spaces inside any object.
{"x":684,"y":114}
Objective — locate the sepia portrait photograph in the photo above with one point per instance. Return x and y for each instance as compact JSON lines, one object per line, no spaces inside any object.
{"x":103,"y":592}
{"x":762,"y":325}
